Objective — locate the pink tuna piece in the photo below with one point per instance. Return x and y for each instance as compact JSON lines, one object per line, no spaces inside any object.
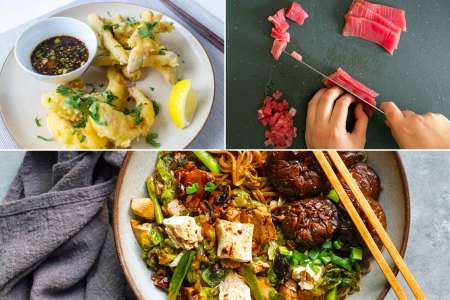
{"x":296,"y":13}
{"x":356,"y":87}
{"x":372,"y":31}
{"x":278,"y":47}
{"x":297,"y":56}
{"x":395,"y":15}
{"x":279,"y":20}
{"x":358,"y":9}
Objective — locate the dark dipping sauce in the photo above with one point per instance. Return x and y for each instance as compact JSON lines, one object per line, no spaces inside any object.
{"x":59,"y":55}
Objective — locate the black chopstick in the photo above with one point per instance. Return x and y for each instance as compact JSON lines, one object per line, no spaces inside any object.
{"x":202,"y":29}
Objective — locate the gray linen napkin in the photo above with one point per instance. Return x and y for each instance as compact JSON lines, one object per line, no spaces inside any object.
{"x":56,"y":241}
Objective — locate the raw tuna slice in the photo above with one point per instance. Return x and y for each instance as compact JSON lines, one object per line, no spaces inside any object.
{"x":279,"y":35}
{"x":278,"y":47}
{"x":297,"y":56}
{"x":279,"y":20}
{"x":396,"y":15}
{"x":358,"y":9}
{"x":346,"y":80}
{"x":372,"y":31}
{"x":296,"y":13}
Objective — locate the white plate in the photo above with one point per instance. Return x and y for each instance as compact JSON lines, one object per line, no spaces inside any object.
{"x":139,"y":165}
{"x":20,"y":94}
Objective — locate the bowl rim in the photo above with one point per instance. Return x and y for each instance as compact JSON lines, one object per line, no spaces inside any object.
{"x":62,"y":76}
{"x":127,"y":272}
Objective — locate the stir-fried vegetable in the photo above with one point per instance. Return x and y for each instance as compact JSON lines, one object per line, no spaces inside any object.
{"x":333,"y":196}
{"x":208,"y":160}
{"x":213,"y":277}
{"x":332,"y":295}
{"x":151,"y":193}
{"x":179,"y":274}
{"x":252,"y":282}
{"x":329,"y":271}
{"x":356,"y":254}
{"x":163,"y":170}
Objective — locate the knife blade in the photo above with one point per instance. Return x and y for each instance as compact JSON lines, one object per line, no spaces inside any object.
{"x":335,"y":83}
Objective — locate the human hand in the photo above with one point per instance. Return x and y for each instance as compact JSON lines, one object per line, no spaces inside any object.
{"x":326,"y":121}
{"x":413,"y":131}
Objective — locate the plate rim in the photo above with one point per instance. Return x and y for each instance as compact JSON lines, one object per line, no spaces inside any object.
{"x":17,"y":145}
{"x":137,"y":292}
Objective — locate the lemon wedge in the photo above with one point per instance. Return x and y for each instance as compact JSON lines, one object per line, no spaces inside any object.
{"x":182,"y":103}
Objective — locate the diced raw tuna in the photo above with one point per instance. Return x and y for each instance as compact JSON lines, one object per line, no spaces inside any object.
{"x":279,"y":118}
{"x":296,"y":13}
{"x":358,"y":9}
{"x":346,"y":80}
{"x":279,"y":20}
{"x":372,"y":31}
{"x":395,"y":15}
{"x":296,"y":56}
{"x":279,"y":35}
{"x":278,"y":47}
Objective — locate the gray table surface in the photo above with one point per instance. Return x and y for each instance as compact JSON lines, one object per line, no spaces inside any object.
{"x":427,"y":253}
{"x":212,"y":134}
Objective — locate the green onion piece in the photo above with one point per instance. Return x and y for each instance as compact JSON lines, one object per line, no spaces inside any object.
{"x":298,"y":258}
{"x":192,"y":189}
{"x":333,"y":196}
{"x":337,"y":244}
{"x":327,"y":245}
{"x":313,"y":254}
{"x":284,"y":251}
{"x":208,"y":160}
{"x":356,"y":253}
{"x":252,"y":282}
{"x":332,"y":295}
{"x":274,"y":295}
{"x":210,"y":187}
{"x":325,"y":259}
{"x":151,"y":193}
{"x":179,"y":273}
{"x":342,"y":262}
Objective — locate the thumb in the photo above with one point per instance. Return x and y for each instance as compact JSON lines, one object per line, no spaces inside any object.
{"x":362,"y":121}
{"x":393,"y":113}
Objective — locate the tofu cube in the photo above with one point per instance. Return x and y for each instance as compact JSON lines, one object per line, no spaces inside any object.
{"x":234,"y":288}
{"x":235,"y":240}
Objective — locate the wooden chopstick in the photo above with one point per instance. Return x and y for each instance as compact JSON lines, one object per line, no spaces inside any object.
{"x":202,"y":29}
{"x":373,"y":220}
{"x":357,"y":220}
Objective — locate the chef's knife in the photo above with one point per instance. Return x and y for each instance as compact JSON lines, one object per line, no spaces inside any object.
{"x":335,"y":83}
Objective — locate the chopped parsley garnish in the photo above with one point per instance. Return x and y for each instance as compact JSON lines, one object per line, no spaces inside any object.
{"x":210,"y":186}
{"x":37,"y":120}
{"x":152,"y":88}
{"x":67,"y":91}
{"x":45,"y":139}
{"x":109,"y":97}
{"x":162,"y":51}
{"x":93,"y":111}
{"x":155,"y":107}
{"x":110,"y":26}
{"x":82,"y":139}
{"x":151,"y":140}
{"x":131,"y":21}
{"x":73,"y":102}
{"x":192,"y":189}
{"x":136,"y":113}
{"x":146,"y":31}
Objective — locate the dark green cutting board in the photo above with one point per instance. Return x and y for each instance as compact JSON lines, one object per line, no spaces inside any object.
{"x":416,"y":77}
